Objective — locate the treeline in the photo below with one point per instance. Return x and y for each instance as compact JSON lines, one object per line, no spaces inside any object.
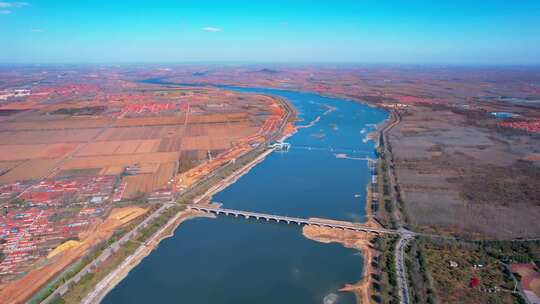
{"x":419,"y":280}
{"x":80,"y":111}
{"x":385,"y":285}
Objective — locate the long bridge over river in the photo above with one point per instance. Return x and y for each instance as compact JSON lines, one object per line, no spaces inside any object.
{"x":292,"y":220}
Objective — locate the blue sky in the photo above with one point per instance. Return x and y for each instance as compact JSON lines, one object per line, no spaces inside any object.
{"x":453,"y":32}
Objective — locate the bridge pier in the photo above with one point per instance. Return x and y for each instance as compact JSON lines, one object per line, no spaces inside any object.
{"x":298,"y":221}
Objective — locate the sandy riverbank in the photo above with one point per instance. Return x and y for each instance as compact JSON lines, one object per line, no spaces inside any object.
{"x":351,"y":239}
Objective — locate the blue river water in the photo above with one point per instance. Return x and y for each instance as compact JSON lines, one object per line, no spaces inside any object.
{"x":232,"y":260}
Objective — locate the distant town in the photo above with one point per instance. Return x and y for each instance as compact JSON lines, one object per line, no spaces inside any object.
{"x":101,"y":164}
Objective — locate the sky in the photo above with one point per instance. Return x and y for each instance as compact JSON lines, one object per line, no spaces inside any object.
{"x":492,"y":32}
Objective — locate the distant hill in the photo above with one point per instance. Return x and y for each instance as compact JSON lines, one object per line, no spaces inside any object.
{"x":266,"y":71}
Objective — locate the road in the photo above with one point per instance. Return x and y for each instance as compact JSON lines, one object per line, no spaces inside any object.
{"x":97,"y":291}
{"x":405,"y":237}
{"x":62,"y":289}
{"x":104,"y":286}
{"x":67,"y":158}
{"x":293,"y":220}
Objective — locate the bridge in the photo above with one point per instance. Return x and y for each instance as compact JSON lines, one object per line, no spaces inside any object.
{"x":291,"y":220}
{"x":280,"y":146}
{"x":332,"y":149}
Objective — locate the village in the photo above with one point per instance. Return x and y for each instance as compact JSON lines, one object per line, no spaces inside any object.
{"x":66,"y":166}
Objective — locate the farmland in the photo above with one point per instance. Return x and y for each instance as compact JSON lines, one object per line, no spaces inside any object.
{"x":72,"y":155}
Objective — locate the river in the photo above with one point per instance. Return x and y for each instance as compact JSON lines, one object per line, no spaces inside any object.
{"x":232,"y":260}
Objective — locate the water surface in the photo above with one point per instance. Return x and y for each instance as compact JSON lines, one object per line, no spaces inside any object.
{"x":232,"y":260}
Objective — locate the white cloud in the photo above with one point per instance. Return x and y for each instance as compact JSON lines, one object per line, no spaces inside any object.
{"x":4,"y":4}
{"x":211,"y":29}
{"x":38,"y":30}
{"x":5,"y":12}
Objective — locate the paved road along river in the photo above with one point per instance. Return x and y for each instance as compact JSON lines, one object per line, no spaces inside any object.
{"x":226,"y":260}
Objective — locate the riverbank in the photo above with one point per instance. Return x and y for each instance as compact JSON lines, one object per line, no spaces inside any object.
{"x":116,"y":276}
{"x":297,"y":172}
{"x":120,"y":272}
{"x":350,"y":239}
{"x":356,"y":240}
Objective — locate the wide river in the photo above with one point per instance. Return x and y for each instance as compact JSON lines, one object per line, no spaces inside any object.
{"x":232,"y":260}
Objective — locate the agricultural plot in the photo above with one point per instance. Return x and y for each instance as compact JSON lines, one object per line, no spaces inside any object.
{"x":29,"y":170}
{"x":47,"y":136}
{"x":150,"y":121}
{"x":119,"y":147}
{"x":137,"y":133}
{"x":170,"y":144}
{"x":119,"y":160}
{"x":149,"y":181}
{"x":24,"y":152}
{"x":205,"y":143}
{"x":57,"y":124}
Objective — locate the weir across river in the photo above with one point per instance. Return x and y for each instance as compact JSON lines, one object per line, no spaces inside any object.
{"x":292,"y":220}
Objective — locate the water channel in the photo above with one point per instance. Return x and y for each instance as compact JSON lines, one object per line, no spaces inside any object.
{"x":232,"y":260}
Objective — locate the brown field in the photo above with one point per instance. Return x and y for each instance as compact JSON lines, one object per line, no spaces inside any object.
{"x":147,"y":182}
{"x":47,"y":136}
{"x":222,"y":130}
{"x":79,"y":172}
{"x":114,"y":170}
{"x":68,"y":123}
{"x":205,"y":143}
{"x":137,"y":133}
{"x":24,"y":152}
{"x":148,"y":146}
{"x":119,"y":160}
{"x":119,"y":147}
{"x":150,"y":121}
{"x":4,"y":166}
{"x":49,"y":141}
{"x":170,"y":144}
{"x":215,"y":118}
{"x":32,"y":169}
